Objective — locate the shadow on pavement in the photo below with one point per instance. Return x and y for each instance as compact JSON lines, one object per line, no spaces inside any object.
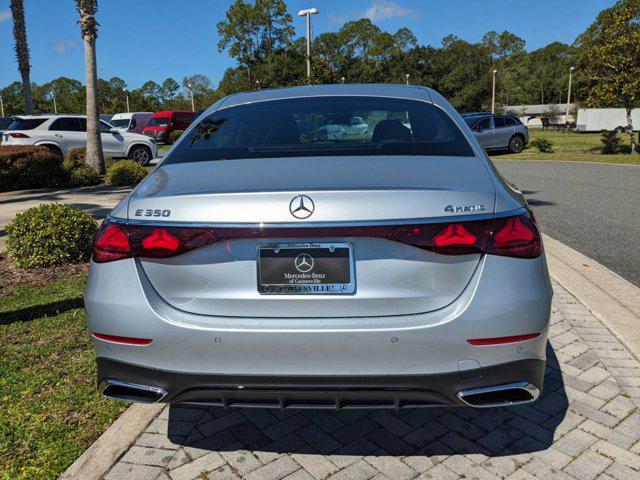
{"x":55,"y":194}
{"x":96,"y":211}
{"x":538,"y":203}
{"x":428,"y":431}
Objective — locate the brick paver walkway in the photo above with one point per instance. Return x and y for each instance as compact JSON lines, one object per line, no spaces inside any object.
{"x":585,"y":426}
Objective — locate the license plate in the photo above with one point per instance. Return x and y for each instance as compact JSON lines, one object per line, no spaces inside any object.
{"x":306,"y":268}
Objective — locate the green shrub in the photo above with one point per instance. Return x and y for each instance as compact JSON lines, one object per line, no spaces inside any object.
{"x":108,"y":161}
{"x":543,"y":144}
{"x":75,"y":158}
{"x":175,"y":135}
{"x":83,"y":176}
{"x":50,"y":234}
{"x":29,"y":166}
{"x":126,"y":172}
{"x":78,"y":173}
{"x":610,"y":142}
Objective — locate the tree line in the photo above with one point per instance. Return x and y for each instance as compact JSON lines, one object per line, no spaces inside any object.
{"x":70,"y":95}
{"x":259,"y":35}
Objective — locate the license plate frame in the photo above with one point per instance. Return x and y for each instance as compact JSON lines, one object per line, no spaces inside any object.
{"x":310,"y":288}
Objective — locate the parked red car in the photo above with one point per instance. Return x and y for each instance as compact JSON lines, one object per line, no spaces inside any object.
{"x":163,"y":123}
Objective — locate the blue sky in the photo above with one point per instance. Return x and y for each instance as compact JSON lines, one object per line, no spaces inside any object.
{"x":154,"y":39}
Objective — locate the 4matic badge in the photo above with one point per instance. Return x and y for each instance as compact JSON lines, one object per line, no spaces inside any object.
{"x":464,"y":208}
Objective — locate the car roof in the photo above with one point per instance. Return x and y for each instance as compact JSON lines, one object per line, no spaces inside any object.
{"x":50,"y":115}
{"x":164,"y":113}
{"x":130,"y":114}
{"x":411,"y":92}
{"x":486,"y":114}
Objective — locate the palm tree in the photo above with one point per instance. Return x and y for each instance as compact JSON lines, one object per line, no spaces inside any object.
{"x":89,"y":28}
{"x":22,"y":52}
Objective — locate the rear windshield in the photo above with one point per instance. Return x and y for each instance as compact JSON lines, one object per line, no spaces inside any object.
{"x":305,"y":127}
{"x":159,"y":122}
{"x":26,"y":123}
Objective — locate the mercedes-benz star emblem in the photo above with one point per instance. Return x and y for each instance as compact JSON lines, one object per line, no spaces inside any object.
{"x":304,"y":262}
{"x":301,"y":206}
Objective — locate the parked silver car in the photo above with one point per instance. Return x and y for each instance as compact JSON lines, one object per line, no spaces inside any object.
{"x":261,"y":266}
{"x":498,"y":132}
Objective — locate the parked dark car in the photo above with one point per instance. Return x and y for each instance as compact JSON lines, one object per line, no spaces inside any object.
{"x":498,"y":132}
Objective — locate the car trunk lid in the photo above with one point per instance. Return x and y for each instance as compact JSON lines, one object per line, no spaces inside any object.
{"x":391,"y":278}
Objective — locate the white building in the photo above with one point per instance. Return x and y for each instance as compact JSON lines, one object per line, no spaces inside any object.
{"x":526,"y":112}
{"x":598,"y":119}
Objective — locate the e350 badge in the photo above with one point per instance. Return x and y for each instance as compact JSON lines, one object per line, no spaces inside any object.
{"x":141,"y":212}
{"x":464,"y":208}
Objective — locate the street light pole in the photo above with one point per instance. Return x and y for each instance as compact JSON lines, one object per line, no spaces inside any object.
{"x":569,"y":94}
{"x":493,"y":94}
{"x":1,"y":105}
{"x":307,"y":13}
{"x":126,"y":94}
{"x":407,"y":76}
{"x":193,"y":106}
{"x":55,"y":107}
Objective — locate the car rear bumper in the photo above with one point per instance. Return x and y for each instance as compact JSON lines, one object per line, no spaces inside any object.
{"x":424,"y":358}
{"x":496,"y":383}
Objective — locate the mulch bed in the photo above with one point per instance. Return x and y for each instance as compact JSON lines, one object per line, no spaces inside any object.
{"x":11,"y":277}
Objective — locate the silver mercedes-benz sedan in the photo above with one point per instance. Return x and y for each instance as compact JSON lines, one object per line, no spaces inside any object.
{"x":268,"y":263}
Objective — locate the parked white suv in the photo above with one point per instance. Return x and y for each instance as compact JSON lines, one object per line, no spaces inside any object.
{"x":63,"y":132}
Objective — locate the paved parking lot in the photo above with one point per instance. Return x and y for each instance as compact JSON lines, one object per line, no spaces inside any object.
{"x":585,"y":426}
{"x":585,"y":206}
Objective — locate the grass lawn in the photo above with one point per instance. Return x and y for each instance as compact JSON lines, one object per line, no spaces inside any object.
{"x":163,"y":147}
{"x":579,"y":147}
{"x":50,"y":411}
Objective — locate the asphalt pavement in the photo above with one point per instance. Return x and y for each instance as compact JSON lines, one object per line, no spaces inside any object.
{"x":594,"y":208}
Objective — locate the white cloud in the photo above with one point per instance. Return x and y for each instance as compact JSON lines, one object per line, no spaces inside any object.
{"x":5,"y":15}
{"x":384,"y":9}
{"x":63,"y":46}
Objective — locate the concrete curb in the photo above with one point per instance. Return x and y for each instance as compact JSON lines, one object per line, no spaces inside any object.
{"x":611,"y":298}
{"x":113,"y":443}
{"x":494,"y":158}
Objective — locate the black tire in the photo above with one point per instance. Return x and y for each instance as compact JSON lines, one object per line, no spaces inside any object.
{"x":516,"y":144}
{"x":55,"y":150}
{"x":140,"y":154}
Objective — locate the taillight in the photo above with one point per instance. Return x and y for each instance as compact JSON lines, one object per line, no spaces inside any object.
{"x":515,"y":236}
{"x":111,"y":243}
{"x":459,"y":238}
{"x":19,"y":135}
{"x":116,"y":241}
{"x":163,"y":242}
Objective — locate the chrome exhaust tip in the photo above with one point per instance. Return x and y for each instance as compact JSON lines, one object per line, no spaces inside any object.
{"x":131,"y":392}
{"x":517,"y":393}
